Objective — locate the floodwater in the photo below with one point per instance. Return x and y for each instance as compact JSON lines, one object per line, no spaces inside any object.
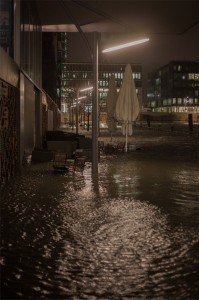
{"x":131,"y":233}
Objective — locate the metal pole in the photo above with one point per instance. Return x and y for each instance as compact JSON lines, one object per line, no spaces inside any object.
{"x":88,"y":121}
{"x":72,"y":115}
{"x":84,"y":115}
{"x":95,"y":107}
{"x":77,"y":112}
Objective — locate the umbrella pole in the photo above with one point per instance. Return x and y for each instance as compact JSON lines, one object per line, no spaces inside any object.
{"x":126,"y":139}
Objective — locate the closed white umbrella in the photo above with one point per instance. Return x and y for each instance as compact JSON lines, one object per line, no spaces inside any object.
{"x":127,"y":105}
{"x":111,"y":102}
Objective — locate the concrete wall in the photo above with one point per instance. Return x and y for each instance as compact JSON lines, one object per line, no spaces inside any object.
{"x":9,"y":71}
{"x":38,"y":118}
{"x":29,"y":115}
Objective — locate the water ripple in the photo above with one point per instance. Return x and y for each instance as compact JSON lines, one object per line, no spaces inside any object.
{"x":135,"y":236}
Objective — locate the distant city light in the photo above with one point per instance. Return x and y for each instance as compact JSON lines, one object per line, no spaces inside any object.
{"x":87,"y":89}
{"x":80,"y":98}
{"x":125,"y":45}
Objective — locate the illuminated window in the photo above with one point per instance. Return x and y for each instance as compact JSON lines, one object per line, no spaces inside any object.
{"x":85,"y":75}
{"x":157,"y":81}
{"x":179,"y":100}
{"x":103,"y":75}
{"x":191,"y":76}
{"x":63,"y":108}
{"x":165,"y":102}
{"x":136,"y":75}
{"x":169,"y":101}
{"x":179,"y":68}
{"x":197,"y":76}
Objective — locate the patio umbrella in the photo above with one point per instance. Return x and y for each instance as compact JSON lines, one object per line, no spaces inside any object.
{"x":111,"y":102}
{"x":127,"y":106}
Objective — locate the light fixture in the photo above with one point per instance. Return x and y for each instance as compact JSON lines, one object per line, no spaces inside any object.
{"x":80,"y":98}
{"x":125,"y":45}
{"x":87,"y":89}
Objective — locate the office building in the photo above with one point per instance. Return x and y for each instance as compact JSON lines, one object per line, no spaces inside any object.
{"x":80,"y":75}
{"x":174,"y":88}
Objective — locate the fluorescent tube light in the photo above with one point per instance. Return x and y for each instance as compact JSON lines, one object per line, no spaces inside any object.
{"x":86,"y":89}
{"x":125,"y":45}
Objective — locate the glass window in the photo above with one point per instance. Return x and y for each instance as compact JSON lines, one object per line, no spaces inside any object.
{"x":197,"y":76}
{"x":169,"y":101}
{"x":179,"y":68}
{"x":191,"y":76}
{"x":165,"y":102}
{"x":157,"y":81}
{"x":179,"y":100}
{"x":31,"y":42}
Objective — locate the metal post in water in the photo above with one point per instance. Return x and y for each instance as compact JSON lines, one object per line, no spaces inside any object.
{"x":77,"y":112}
{"x":95,"y":107}
{"x":72,"y":115}
{"x":88,"y":119}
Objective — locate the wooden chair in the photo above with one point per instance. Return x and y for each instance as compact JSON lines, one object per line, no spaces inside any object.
{"x":101,"y":146}
{"x":70,"y":163}
{"x":59,"y":162}
{"x":120,"y":146}
{"x":79,"y":163}
{"x":80,"y":160}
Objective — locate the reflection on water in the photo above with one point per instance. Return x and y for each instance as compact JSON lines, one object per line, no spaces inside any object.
{"x":134,"y":235}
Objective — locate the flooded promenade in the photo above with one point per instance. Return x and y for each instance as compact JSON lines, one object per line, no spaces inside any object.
{"x":130,"y":233}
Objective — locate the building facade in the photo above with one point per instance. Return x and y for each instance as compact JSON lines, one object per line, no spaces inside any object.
{"x":26,"y":110}
{"x":80,"y":75}
{"x":174,"y":88}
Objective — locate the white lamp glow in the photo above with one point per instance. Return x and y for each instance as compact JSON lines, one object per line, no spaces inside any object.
{"x":86,"y":89}
{"x":125,"y":45}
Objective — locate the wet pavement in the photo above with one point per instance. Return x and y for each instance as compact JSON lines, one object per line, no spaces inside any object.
{"x":130,"y":233}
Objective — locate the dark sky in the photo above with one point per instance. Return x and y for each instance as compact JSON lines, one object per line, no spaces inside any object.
{"x":160,"y":50}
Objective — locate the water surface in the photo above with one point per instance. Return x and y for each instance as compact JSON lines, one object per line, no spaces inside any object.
{"x":132,"y":234}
